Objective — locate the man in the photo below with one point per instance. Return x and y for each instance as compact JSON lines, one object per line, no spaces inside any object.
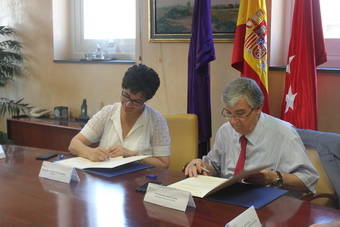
{"x":265,"y":140}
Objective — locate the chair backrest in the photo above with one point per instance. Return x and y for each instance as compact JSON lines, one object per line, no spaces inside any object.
{"x":184,"y":139}
{"x":324,"y":185}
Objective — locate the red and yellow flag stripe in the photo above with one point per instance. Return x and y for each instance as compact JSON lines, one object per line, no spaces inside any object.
{"x":250,"y":44}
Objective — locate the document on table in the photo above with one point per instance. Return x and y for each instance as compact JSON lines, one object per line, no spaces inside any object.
{"x":83,"y":163}
{"x":202,"y":186}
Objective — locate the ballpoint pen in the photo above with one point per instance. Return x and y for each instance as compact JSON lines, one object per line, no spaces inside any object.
{"x":205,"y":170}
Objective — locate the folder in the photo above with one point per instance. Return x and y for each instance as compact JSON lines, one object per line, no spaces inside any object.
{"x":247,"y":195}
{"x":83,"y":163}
{"x":119,"y":170}
{"x":108,"y":168}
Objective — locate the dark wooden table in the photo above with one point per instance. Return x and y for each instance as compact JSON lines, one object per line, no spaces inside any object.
{"x":27,"y":200}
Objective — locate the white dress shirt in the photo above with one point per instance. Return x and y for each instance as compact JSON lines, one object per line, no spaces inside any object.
{"x":273,"y":141}
{"x":148,"y":136}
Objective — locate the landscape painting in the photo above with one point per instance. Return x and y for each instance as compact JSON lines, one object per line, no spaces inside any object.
{"x":170,"y":20}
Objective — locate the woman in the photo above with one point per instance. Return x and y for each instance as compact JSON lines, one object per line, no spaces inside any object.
{"x":130,"y":127}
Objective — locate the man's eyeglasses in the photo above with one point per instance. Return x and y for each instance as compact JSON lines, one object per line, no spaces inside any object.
{"x":135,"y":102}
{"x":226,"y":114}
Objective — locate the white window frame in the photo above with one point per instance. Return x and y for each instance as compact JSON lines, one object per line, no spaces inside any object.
{"x":116,"y":48}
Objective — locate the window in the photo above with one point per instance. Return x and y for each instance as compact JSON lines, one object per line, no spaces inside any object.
{"x":331,"y":31}
{"x":330,"y":18}
{"x":94,"y":30}
{"x":281,"y":24}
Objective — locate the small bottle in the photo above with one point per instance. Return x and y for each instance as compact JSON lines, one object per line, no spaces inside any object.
{"x":84,"y":107}
{"x":99,"y":53}
{"x":83,"y":111}
{"x":87,"y":57}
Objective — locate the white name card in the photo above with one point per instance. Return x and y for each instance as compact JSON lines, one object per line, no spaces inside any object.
{"x":248,"y":218}
{"x":57,"y":172}
{"x":168,"y":197}
{"x":2,"y":153}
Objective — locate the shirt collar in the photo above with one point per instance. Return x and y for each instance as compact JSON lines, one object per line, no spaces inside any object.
{"x":117,"y":124}
{"x":256,"y":134}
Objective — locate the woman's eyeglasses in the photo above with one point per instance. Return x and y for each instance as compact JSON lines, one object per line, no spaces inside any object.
{"x":135,"y":102}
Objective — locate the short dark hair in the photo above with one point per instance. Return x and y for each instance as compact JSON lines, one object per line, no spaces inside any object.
{"x":141,"y":78}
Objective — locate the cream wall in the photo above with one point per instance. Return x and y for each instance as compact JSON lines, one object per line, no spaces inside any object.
{"x":50,"y":84}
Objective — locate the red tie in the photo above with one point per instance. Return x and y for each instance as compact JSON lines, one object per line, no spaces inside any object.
{"x":242,"y":158}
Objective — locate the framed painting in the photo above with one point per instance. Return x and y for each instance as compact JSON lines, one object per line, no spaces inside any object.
{"x":170,"y":20}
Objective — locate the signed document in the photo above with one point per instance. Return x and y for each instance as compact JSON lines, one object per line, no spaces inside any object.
{"x":202,"y":186}
{"x":83,"y":163}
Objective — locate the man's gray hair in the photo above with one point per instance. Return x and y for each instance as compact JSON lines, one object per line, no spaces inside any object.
{"x":243,"y":87}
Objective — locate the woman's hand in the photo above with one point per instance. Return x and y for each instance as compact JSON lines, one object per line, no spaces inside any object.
{"x":119,"y":150}
{"x":97,"y":154}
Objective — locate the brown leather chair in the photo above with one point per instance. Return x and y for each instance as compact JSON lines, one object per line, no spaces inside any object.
{"x":325,"y":193}
{"x":184,"y":139}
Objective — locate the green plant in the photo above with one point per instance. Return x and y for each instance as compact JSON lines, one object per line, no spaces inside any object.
{"x":10,"y":65}
{"x":10,"y":55}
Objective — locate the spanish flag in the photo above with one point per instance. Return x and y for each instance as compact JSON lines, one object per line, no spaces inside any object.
{"x":250,"y":44}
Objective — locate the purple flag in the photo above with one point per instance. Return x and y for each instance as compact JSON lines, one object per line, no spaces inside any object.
{"x":201,"y":52}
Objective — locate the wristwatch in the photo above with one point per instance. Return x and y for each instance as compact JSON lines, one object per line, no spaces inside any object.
{"x":278,"y":181}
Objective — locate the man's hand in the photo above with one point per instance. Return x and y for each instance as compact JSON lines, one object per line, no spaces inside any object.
{"x":97,"y":154}
{"x":118,"y":150}
{"x":263,"y":177}
{"x":195,"y":167}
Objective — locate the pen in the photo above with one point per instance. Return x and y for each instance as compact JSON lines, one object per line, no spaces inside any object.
{"x":205,"y":170}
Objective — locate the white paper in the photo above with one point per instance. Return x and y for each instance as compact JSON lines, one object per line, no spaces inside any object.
{"x":168,"y":197}
{"x":248,"y":218}
{"x":83,"y":163}
{"x":198,"y":186}
{"x":54,"y":171}
{"x":201,"y":185}
{"x":2,"y":153}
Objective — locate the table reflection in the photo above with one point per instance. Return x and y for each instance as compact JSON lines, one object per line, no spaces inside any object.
{"x":170,"y":215}
{"x":108,"y":204}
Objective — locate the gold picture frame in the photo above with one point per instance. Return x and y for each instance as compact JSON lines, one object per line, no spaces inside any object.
{"x":170,"y":20}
